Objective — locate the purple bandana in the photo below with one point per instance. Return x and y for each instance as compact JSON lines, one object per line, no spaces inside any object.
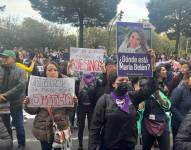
{"x":122,"y":102}
{"x":88,"y":78}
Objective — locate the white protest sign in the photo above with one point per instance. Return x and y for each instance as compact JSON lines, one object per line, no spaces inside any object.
{"x":54,"y":92}
{"x":87,"y":60}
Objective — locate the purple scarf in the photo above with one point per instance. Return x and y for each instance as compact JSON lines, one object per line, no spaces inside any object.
{"x":122,"y":102}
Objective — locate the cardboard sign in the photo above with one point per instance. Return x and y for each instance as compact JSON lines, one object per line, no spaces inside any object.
{"x":132,"y":46}
{"x":135,"y":65}
{"x":87,"y":60}
{"x":54,"y":92}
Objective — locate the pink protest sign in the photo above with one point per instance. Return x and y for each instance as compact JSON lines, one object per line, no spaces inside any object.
{"x":87,"y":60}
{"x":55,"y":92}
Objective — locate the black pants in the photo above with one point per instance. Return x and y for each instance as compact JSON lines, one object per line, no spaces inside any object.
{"x":82,"y":111}
{"x":174,"y":133}
{"x":72,"y":117}
{"x":163,"y":140}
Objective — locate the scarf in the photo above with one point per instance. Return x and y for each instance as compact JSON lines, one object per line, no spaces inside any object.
{"x":88,"y":78}
{"x":122,"y":102}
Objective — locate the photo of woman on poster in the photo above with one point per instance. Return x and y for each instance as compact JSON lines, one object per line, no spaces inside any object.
{"x":135,"y":42}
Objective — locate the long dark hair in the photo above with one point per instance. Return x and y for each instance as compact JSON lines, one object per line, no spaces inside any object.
{"x":143,"y":40}
{"x":158,"y":69}
{"x":56,"y":65}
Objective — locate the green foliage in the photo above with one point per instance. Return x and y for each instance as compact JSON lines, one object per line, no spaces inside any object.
{"x":77,"y":12}
{"x":172,"y":16}
{"x":33,"y":34}
{"x":97,"y":36}
{"x":162,"y":44}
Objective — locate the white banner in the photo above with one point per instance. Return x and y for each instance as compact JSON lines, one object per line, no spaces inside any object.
{"x":87,"y":60}
{"x":54,"y":92}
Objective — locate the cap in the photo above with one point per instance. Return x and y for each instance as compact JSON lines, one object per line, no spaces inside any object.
{"x":8,"y":53}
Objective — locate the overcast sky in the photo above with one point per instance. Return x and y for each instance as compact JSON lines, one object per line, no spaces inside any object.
{"x":134,"y":10}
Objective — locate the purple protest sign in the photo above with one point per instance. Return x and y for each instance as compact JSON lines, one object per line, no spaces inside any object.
{"x":134,"y":64}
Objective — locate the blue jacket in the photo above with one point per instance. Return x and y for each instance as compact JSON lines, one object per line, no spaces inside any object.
{"x":181,"y":104}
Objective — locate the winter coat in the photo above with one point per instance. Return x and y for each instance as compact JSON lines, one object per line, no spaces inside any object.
{"x":13,"y":83}
{"x":181,"y":104}
{"x":43,"y":125}
{"x":112,"y":127}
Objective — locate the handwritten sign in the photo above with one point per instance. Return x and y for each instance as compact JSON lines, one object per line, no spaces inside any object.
{"x":55,"y":92}
{"x":87,"y":60}
{"x":132,"y":64}
{"x":133,"y":42}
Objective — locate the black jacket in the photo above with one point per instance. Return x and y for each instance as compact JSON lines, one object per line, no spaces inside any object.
{"x":115,"y":128}
{"x":183,"y":138}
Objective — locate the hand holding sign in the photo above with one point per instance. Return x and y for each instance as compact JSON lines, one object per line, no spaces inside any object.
{"x":54,"y":92}
{"x":26,"y":102}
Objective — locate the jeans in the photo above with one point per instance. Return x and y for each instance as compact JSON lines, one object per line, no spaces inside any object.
{"x":17,"y":121}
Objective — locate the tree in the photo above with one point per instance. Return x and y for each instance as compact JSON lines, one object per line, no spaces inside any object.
{"x":118,"y":17}
{"x":33,"y":34}
{"x":172,"y":16}
{"x":162,"y":44}
{"x":78,"y":12}
{"x":9,"y":32}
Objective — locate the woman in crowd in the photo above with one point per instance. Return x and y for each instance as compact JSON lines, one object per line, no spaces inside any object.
{"x":113,"y":124}
{"x":135,"y":42}
{"x":181,"y":103}
{"x":155,"y":122}
{"x":42,"y":128}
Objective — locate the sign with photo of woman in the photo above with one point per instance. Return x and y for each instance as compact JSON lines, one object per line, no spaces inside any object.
{"x":133,"y":42}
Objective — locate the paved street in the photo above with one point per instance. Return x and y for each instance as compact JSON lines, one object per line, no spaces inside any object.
{"x":33,"y":144}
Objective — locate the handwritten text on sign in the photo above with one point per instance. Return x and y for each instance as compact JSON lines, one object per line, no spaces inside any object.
{"x":134,"y":65}
{"x":87,"y":60}
{"x":55,"y":92}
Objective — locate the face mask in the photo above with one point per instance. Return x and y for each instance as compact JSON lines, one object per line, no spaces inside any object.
{"x":121,"y":89}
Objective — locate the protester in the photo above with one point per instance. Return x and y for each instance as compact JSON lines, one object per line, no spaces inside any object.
{"x":114,"y":119}
{"x":87,"y":100}
{"x":42,"y":127}
{"x":181,"y":104}
{"x":185,"y":70}
{"x":20,"y":63}
{"x":155,"y":122}
{"x":12,"y":89}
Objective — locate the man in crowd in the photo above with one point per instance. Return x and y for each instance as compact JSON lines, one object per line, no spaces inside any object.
{"x":12,"y":89}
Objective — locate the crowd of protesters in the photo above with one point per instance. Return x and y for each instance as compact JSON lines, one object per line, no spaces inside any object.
{"x":118,"y":109}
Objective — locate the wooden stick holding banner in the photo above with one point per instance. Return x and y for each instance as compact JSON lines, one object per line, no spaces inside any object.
{"x":54,"y":92}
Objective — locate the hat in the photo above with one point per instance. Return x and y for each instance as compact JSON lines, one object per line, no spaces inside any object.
{"x":8,"y":53}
